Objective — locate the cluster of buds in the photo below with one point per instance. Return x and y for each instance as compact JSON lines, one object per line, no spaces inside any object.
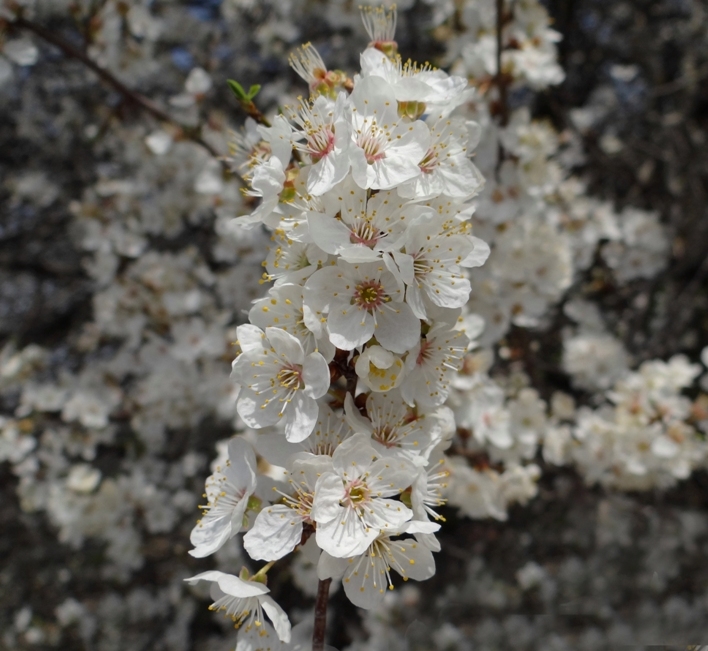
{"x":348,"y":360}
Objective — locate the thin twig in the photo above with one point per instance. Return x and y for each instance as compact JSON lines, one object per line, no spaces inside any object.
{"x":145,"y":103}
{"x":318,"y":635}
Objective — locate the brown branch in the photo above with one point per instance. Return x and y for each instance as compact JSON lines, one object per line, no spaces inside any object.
{"x":318,"y":635}
{"x":140,"y":100}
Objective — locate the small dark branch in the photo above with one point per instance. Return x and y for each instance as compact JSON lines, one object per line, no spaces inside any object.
{"x":140,"y":100}
{"x":249,"y":108}
{"x":307,"y":531}
{"x":340,"y":367}
{"x":318,"y":635}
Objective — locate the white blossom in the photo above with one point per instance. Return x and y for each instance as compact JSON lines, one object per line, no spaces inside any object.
{"x":278,"y":381}
{"x":244,"y":602}
{"x":351,"y":505}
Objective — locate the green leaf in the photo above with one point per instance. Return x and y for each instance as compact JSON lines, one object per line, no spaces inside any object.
{"x":253,"y":91}
{"x":238,"y":90}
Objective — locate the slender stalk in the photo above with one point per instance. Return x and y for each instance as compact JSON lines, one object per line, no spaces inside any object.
{"x":318,"y":635}
{"x":140,"y":100}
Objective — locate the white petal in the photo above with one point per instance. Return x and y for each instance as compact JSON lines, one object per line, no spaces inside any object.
{"x":355,"y":456}
{"x":345,"y":536}
{"x":330,"y":567}
{"x":231,"y":584}
{"x":349,"y":327}
{"x":210,"y":534}
{"x":242,"y":471}
{"x":330,"y":234}
{"x":275,"y":533}
{"x":398,"y":329}
{"x":328,"y":491}
{"x":479,"y":254}
{"x":300,"y":418}
{"x":250,"y":406}
{"x":250,"y":338}
{"x":315,"y":373}
{"x":288,"y":348}
{"x":329,"y":171}
{"x":354,"y":418}
{"x":414,"y":559}
{"x":277,"y":615}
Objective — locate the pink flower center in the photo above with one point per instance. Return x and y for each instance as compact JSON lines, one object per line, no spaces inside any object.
{"x":386,"y":436}
{"x":370,"y":295}
{"x":320,"y":142}
{"x":373,"y":143}
{"x":424,"y":353}
{"x":355,"y":494}
{"x":364,"y":232}
{"x":290,"y":377}
{"x":429,"y":162}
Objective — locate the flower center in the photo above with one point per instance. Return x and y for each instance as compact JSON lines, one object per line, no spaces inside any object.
{"x":370,"y":295}
{"x":290,"y":378}
{"x":430,"y":161}
{"x":364,"y":232}
{"x":373,"y":143}
{"x":320,"y":142}
{"x":386,"y":435}
{"x":421,"y":266}
{"x":356,"y":494}
{"x":300,"y":502}
{"x":424,"y":353}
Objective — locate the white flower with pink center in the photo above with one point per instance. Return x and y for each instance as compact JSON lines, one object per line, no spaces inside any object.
{"x":326,"y":132}
{"x":396,"y":430}
{"x":283,"y":308}
{"x":362,"y":301}
{"x":278,"y":381}
{"x":367,"y":577}
{"x":351,"y":505}
{"x":359,"y":227}
{"x":432,"y":363}
{"x":290,"y":261}
{"x":446,"y":168}
{"x":329,"y":433}
{"x":278,"y":528}
{"x":436,"y":248}
{"x":386,"y":149}
{"x":227,"y":491}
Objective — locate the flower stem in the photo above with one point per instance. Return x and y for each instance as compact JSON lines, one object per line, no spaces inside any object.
{"x":318,"y":635}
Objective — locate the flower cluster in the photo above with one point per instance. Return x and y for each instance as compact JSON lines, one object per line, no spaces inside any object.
{"x":647,"y":434}
{"x":350,"y":356}
{"x":107,"y":423}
